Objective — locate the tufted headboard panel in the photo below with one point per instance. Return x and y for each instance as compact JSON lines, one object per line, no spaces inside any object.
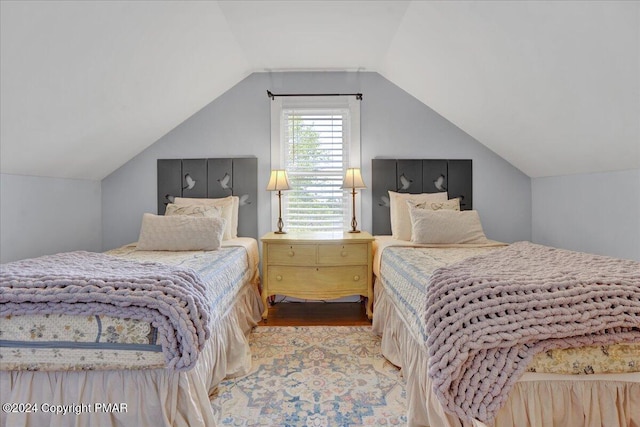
{"x":213,"y":178}
{"x":417,"y":176}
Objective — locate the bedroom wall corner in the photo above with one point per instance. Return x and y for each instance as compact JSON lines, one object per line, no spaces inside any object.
{"x":401,"y":126}
{"x":236,"y":124}
{"x":597,"y":213}
{"x":41,"y":216}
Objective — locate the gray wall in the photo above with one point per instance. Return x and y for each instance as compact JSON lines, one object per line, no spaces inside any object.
{"x":393,"y":124}
{"x":40,"y":216}
{"x":597,"y":213}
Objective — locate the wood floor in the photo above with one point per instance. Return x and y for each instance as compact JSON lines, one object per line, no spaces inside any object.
{"x":317,"y":313}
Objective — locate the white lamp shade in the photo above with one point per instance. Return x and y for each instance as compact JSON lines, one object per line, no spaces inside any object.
{"x":353,"y":179}
{"x":278,"y":181}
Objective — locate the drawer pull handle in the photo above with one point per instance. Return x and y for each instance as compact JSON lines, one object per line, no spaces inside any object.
{"x":278,"y":277}
{"x":291,"y":253}
{"x":344,"y":253}
{"x":356,"y":278}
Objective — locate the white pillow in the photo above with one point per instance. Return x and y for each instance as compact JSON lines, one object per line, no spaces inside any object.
{"x":400,"y":220}
{"x":193,"y":210}
{"x":446,"y":226}
{"x":451,"y":204}
{"x":180,"y":233}
{"x":229,"y":204}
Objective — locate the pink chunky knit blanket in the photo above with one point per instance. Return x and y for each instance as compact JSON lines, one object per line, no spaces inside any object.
{"x":487,"y":316}
{"x":172,"y":299}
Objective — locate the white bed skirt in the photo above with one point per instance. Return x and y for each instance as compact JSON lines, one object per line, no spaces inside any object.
{"x":536,"y":400}
{"x":153,"y":397}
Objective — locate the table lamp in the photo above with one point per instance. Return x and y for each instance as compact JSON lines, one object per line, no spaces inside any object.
{"x":353,"y":180}
{"x":278,"y":181}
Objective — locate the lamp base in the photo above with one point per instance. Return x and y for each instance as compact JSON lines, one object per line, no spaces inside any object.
{"x":280,"y":221}
{"x":354,"y":231}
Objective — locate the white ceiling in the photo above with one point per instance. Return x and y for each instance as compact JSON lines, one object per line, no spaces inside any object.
{"x":553,"y":87}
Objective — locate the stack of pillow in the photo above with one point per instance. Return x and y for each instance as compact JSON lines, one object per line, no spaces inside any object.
{"x":433,"y":218}
{"x":190,"y":225}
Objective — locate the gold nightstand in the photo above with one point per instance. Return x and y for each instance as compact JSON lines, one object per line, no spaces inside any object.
{"x":317,"y":266}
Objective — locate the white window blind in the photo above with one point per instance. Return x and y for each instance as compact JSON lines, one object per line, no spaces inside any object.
{"x":317,"y":143}
{"x":315,"y":160}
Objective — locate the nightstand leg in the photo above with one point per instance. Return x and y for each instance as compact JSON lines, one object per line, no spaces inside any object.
{"x":265,"y":303}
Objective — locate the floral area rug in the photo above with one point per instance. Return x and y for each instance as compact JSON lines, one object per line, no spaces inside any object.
{"x":314,"y":376}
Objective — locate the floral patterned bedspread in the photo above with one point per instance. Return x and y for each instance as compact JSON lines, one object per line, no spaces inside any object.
{"x":68,"y":342}
{"x":404,"y":273}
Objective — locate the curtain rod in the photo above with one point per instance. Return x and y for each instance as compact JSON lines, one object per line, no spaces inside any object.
{"x":273,"y":95}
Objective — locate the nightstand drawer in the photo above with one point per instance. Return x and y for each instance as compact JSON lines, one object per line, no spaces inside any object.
{"x":317,"y":282}
{"x":343,"y":254}
{"x":291,"y":254}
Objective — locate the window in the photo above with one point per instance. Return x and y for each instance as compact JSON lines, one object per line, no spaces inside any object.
{"x":315,"y":140}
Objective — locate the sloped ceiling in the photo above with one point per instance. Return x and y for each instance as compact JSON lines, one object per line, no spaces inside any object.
{"x":553,"y":87}
{"x":86,"y":85}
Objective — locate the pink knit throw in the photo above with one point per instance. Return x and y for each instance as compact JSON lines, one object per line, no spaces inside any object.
{"x":487,"y":316}
{"x":173,"y":299}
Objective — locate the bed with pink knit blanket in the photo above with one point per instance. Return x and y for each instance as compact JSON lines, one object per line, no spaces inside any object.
{"x":151,"y":332}
{"x":523,"y":335}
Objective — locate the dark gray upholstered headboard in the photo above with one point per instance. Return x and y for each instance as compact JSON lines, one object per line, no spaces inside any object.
{"x":417,"y":176}
{"x":213,"y":178}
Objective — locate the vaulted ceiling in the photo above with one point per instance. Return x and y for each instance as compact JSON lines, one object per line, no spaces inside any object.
{"x":552,"y":87}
